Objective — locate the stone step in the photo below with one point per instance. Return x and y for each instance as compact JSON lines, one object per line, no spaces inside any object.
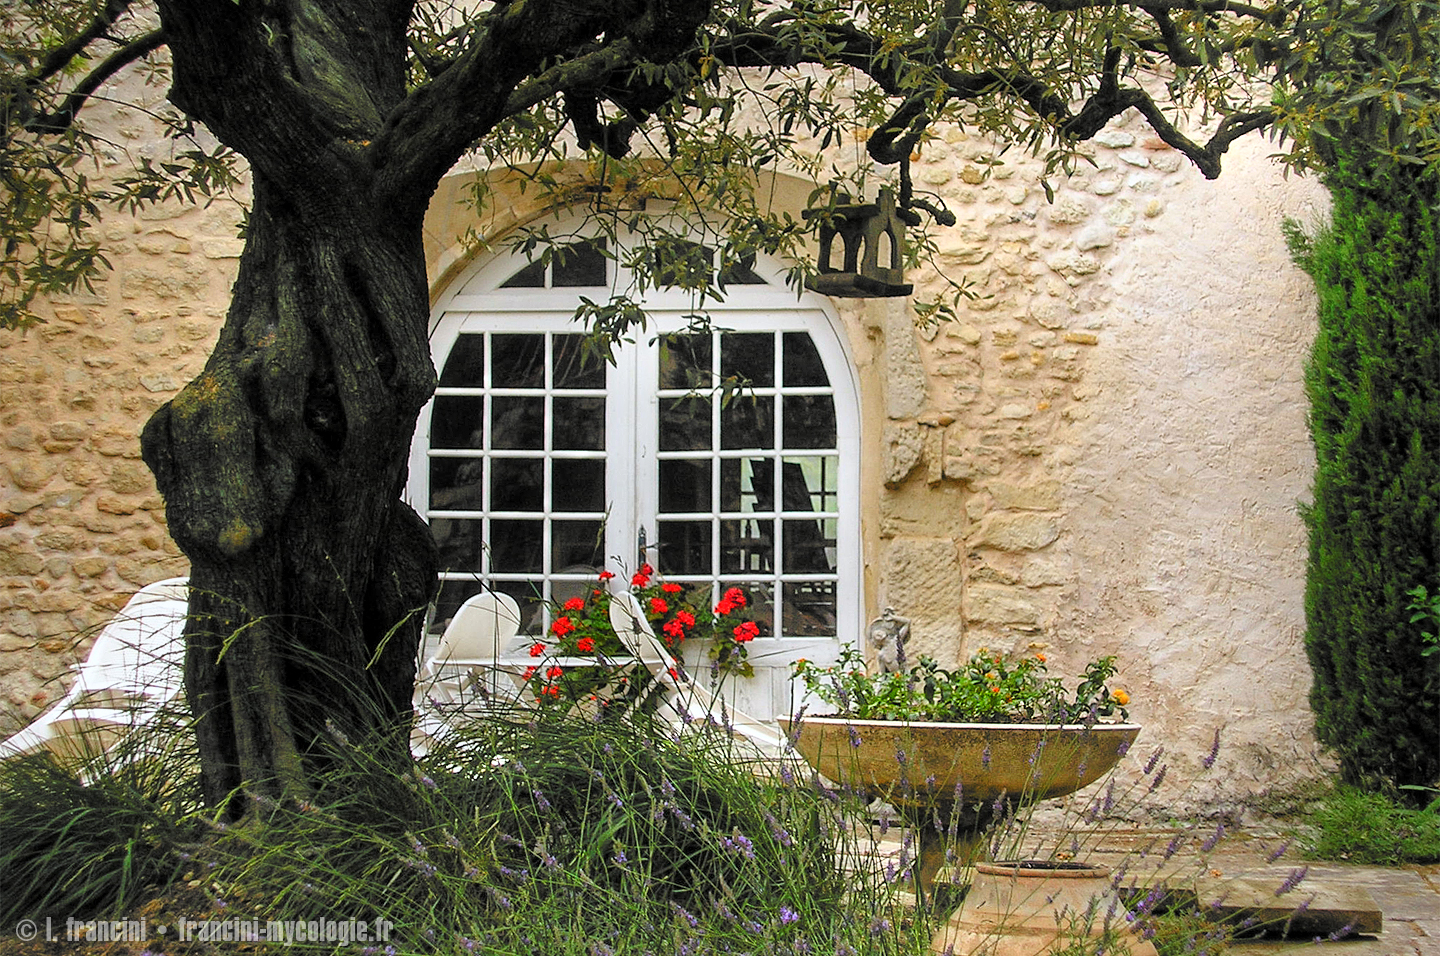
{"x":1316,"y":907}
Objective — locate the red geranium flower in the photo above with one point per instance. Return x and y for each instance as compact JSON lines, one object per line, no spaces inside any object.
{"x":537,"y":649}
{"x":575,"y":604}
{"x":658,"y":606}
{"x":746,"y":631}
{"x":562,"y":626}
{"x":735,"y":596}
{"x":554,"y":671}
{"x":529,"y":673}
{"x":670,"y":588}
{"x":585,"y":645}
{"x":606,"y":575}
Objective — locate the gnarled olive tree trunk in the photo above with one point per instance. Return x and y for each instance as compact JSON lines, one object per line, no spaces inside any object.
{"x":282,"y":466}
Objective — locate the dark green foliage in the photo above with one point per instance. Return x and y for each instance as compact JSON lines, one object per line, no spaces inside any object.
{"x":1374,"y":388}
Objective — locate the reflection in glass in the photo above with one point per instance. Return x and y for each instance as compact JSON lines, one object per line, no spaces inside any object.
{"x":461,"y":542}
{"x":573,"y":368}
{"x":747,"y":545}
{"x":685,"y":485}
{"x":580,"y":264}
{"x":577,"y":484}
{"x":809,"y":421}
{"x":811,"y":484}
{"x":465,"y":365}
{"x":517,"y":421}
{"x":457,"y":421}
{"x":456,"y":484}
{"x":810,"y":546}
{"x":748,"y":422}
{"x":516,"y":545}
{"x":737,"y":483}
{"x":517,"y":361}
{"x":517,"y":484}
{"x":685,"y":424}
{"x":810,"y":609}
{"x":802,"y":367}
{"x":685,"y":361}
{"x":684,"y":547}
{"x":749,"y":356}
{"x":577,"y":546}
{"x":579,"y":424}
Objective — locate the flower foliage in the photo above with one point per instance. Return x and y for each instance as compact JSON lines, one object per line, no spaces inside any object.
{"x":987,"y":688}
{"x":581,"y":627}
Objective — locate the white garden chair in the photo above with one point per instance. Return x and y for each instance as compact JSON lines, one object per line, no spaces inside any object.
{"x":685,"y":701}
{"x":134,"y":668}
{"x":467,"y":666}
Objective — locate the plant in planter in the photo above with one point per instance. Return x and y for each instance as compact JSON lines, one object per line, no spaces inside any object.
{"x":953,"y":750}
{"x":961,"y":746}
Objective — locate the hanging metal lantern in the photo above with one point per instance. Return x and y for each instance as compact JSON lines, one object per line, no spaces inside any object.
{"x":864,"y":231}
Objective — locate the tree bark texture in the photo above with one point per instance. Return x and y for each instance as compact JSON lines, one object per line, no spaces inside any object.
{"x":282,"y":466}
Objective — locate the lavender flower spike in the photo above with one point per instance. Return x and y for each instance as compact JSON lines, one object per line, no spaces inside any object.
{"x":1209,"y":759}
{"x":1293,"y":880}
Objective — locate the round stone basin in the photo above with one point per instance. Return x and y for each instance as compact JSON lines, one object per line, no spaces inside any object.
{"x":921,"y":763}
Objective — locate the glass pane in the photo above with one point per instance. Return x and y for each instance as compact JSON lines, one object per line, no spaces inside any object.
{"x":685,"y":485}
{"x":580,"y":264}
{"x":465,"y":365}
{"x":461,"y":542}
{"x":748,"y":422}
{"x":573,"y":368}
{"x":685,"y":424}
{"x":518,"y":361}
{"x":577,"y":546}
{"x":685,"y":361}
{"x":809,"y":484}
{"x":749,"y":356}
{"x":457,"y":421}
{"x":684,"y":547}
{"x":579,"y":423}
{"x":810,"y":546}
{"x":739,"y":488}
{"x":809,"y":421}
{"x":456,"y":484}
{"x":530,"y":277}
{"x":809,"y":609}
{"x":517,"y":484}
{"x":678,"y":262}
{"x":517,"y":421}
{"x":740,"y":271}
{"x":516,"y":545}
{"x":577,"y":484}
{"x":746,"y":545}
{"x":801,"y":361}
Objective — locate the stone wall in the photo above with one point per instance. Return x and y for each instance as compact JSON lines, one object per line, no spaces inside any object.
{"x":1102,"y":455}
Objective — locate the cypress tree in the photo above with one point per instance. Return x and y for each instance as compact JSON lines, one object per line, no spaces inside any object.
{"x":1374,"y":387}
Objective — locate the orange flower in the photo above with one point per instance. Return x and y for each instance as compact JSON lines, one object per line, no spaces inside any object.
{"x":1120,"y":697}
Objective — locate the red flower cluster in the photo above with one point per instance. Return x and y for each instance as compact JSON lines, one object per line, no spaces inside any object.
{"x":730,"y":602}
{"x":746,"y":631}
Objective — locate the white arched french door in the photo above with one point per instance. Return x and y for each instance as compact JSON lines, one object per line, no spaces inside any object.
{"x":537,"y":468}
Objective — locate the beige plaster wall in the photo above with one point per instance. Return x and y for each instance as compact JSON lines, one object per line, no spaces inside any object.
{"x":1102,"y":455}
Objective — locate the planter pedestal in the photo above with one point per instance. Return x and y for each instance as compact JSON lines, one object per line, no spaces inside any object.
{"x":1034,"y":908}
{"x":961,"y":773}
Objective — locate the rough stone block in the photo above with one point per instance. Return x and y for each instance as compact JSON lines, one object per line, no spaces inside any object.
{"x":996,"y":604}
{"x":1008,"y":531}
